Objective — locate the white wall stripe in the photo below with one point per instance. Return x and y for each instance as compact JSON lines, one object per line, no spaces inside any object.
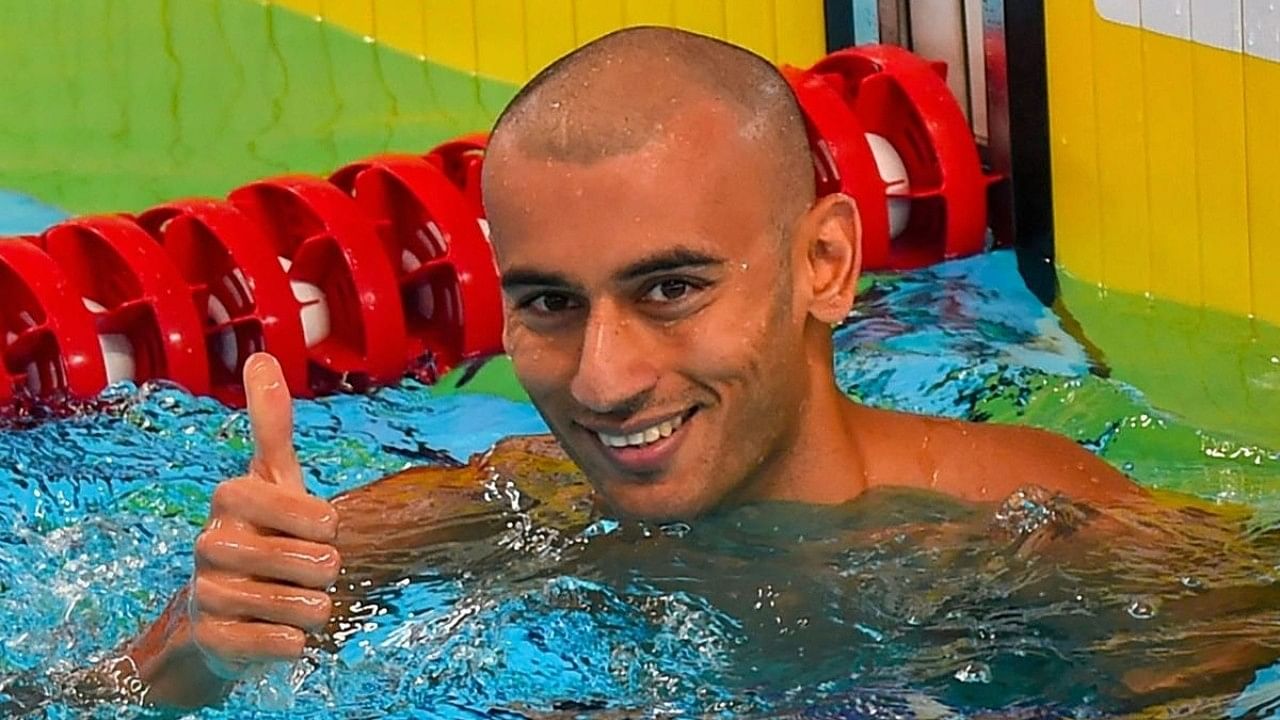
{"x":1167,"y":17}
{"x":1262,"y":28}
{"x":1122,"y":11}
{"x":1218,"y":23}
{"x":1249,"y":26}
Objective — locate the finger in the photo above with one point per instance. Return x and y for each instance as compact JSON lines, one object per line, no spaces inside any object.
{"x":268,"y":507}
{"x":226,"y":597}
{"x":312,"y":565}
{"x":238,"y":643}
{"x":271,"y":419}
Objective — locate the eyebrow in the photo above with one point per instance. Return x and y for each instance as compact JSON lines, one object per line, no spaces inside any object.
{"x":676,"y":258}
{"x":528,"y":277}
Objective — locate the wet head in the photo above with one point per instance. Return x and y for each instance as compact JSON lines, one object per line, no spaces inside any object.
{"x":669,"y":277}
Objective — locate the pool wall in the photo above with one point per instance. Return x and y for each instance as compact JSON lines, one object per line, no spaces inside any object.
{"x":511,"y":40}
{"x":1166,"y":196}
{"x":1164,"y":160}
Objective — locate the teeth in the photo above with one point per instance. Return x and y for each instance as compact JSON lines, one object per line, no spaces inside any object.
{"x":643,"y":437}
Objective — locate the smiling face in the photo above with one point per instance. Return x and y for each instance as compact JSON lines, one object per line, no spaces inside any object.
{"x":669,"y":278}
{"x":652,"y":314}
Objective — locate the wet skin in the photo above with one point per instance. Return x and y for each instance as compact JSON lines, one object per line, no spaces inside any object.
{"x":646,"y":289}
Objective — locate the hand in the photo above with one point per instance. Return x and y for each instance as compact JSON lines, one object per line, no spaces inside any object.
{"x":266,"y":556}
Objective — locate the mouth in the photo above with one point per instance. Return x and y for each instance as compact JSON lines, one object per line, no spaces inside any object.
{"x":645,"y":450}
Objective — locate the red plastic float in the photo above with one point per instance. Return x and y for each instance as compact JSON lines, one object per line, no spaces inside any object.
{"x":904,"y":100}
{"x":461,"y":159}
{"x":448,"y":281}
{"x":844,"y":162}
{"x":351,"y":280}
{"x":350,"y":302}
{"x":146,"y":323}
{"x":235,"y":279}
{"x":47,"y":337}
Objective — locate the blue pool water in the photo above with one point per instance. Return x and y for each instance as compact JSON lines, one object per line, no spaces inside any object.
{"x":900,"y":606}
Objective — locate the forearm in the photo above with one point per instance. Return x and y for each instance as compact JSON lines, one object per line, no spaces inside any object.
{"x":172,"y":669}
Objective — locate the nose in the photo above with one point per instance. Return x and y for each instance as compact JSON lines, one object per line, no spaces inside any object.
{"x":616,"y":369}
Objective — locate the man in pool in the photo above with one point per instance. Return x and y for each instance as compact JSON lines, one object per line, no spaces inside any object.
{"x":671,"y":282}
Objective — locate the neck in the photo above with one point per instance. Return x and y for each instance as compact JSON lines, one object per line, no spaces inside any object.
{"x":821,"y":460}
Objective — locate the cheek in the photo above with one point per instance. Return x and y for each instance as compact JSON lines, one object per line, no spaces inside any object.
{"x":538,"y":364}
{"x":737,"y":342}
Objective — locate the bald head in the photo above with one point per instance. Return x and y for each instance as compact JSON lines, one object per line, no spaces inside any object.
{"x":627,"y":90}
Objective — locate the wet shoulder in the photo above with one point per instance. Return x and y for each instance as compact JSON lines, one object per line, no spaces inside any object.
{"x":528,"y":456}
{"x":987,"y":462}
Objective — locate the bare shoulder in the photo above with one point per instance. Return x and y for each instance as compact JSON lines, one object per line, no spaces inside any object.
{"x":541,"y":447}
{"x":417,"y":497}
{"x":1005,"y":458}
{"x":986,"y":462}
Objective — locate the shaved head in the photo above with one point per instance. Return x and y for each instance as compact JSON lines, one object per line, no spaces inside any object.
{"x":624,"y":91}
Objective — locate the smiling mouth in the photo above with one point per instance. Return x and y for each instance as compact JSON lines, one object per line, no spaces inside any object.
{"x":645,"y":436}
{"x":646,"y":450}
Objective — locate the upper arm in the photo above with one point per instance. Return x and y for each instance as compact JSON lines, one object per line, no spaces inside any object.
{"x":1020,"y":456}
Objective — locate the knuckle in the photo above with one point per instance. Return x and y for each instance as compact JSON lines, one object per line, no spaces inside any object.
{"x":297,"y":641}
{"x":203,"y":596}
{"x":327,"y":522}
{"x":318,"y":613}
{"x":289,"y":642}
{"x":225,"y":497}
{"x":210,"y":637}
{"x":206,"y":544}
{"x":331,"y":568}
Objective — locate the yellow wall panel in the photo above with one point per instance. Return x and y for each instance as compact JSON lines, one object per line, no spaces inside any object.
{"x":1173,"y":216}
{"x":400,"y":24}
{"x":800,"y":32}
{"x":1218,"y":80}
{"x":1262,"y":130}
{"x":700,"y":17}
{"x":549,"y":29}
{"x":500,"y":40}
{"x":750,"y":23}
{"x":310,"y":8}
{"x":1187,"y":138}
{"x":1073,"y":137}
{"x":510,"y":41}
{"x":449,"y":35}
{"x":1122,"y":161}
{"x":354,"y":15}
{"x":593,"y":18}
{"x":648,"y":12}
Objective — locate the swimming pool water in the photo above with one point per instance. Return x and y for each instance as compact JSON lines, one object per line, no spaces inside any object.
{"x":901,"y":605}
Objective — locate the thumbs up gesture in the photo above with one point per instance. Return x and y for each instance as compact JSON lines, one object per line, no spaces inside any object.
{"x":266,"y":556}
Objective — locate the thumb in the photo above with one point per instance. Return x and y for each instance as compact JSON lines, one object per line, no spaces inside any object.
{"x":271,"y":420}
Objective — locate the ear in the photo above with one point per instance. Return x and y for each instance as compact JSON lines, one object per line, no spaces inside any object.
{"x":834,"y":257}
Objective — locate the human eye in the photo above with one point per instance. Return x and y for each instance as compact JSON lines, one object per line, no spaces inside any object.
{"x":548,"y":303}
{"x":671,"y":290}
